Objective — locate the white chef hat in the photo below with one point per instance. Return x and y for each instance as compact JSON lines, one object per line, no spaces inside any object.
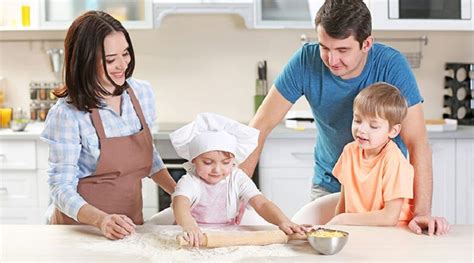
{"x":212,"y":132}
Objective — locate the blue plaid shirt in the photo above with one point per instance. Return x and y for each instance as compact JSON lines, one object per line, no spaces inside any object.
{"x":74,"y":144}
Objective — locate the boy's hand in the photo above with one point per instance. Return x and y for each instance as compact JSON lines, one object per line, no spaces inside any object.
{"x":193,"y":235}
{"x":337,"y":220}
{"x":291,"y":228}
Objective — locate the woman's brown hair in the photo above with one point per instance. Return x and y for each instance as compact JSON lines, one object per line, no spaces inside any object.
{"x":83,"y":47}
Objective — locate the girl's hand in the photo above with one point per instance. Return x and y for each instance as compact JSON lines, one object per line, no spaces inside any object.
{"x":291,"y":228}
{"x":116,"y":226}
{"x":193,"y":235}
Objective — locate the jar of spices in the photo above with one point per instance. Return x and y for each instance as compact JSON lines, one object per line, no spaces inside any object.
{"x":43,"y":91}
{"x":43,"y":111}
{"x":33,"y":90}
{"x":51,"y":95}
{"x":34,"y":107}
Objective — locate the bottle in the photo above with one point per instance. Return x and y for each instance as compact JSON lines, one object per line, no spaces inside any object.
{"x":25,"y":14}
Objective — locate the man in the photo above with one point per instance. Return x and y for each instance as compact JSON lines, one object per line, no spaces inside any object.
{"x":330,"y":74}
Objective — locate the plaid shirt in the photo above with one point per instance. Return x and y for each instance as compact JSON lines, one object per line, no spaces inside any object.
{"x":74,"y":144}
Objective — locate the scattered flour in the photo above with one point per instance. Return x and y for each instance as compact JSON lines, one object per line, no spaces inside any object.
{"x":159,"y":245}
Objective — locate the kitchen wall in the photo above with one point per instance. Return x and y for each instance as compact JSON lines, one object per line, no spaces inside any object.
{"x":208,"y":63}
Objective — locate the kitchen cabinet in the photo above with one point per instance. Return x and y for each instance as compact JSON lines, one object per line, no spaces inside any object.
{"x":464,"y":181}
{"x":243,"y":8}
{"x":286,"y":170}
{"x":58,"y":14}
{"x":282,"y":14}
{"x":24,"y":190}
{"x":444,"y":174}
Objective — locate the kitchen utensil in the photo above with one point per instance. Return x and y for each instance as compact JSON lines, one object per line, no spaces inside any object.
{"x":327,"y":241}
{"x":243,"y":238}
{"x":56,"y":56}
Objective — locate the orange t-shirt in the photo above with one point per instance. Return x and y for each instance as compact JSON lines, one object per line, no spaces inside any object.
{"x":369,"y":183}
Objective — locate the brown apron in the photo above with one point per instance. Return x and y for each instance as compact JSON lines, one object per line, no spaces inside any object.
{"x":116,"y":186}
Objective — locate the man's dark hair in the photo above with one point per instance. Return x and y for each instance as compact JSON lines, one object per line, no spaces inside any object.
{"x":343,"y":18}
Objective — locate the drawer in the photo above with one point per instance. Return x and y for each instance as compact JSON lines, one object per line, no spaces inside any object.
{"x":17,"y":155}
{"x":287,"y":153}
{"x":149,"y":193}
{"x":20,"y":216}
{"x":42,"y":155}
{"x":18,"y":189}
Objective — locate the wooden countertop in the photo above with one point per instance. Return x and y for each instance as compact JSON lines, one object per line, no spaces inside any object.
{"x":46,"y":243}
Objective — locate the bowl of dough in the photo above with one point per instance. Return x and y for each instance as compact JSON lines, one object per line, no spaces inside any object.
{"x":327,"y":241}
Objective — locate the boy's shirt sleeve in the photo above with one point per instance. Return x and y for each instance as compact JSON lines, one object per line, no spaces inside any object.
{"x":397,"y":179}
{"x":341,"y":165}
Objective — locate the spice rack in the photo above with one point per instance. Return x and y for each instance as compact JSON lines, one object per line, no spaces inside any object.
{"x":42,"y":99}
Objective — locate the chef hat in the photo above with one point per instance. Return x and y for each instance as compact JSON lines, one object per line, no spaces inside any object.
{"x":212,"y":132}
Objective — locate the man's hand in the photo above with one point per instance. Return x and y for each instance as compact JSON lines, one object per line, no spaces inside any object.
{"x":116,"y":226}
{"x":434,"y":225}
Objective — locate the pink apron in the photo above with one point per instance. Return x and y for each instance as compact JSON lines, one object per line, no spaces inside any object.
{"x":212,"y":205}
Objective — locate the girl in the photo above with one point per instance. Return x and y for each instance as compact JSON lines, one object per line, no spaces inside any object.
{"x":211,"y":190}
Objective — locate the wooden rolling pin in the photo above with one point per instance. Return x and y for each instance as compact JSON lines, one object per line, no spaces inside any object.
{"x":243,"y":238}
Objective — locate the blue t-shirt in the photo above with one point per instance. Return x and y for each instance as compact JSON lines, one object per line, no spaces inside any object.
{"x":331,"y":99}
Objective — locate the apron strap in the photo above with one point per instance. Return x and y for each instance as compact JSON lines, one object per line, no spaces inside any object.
{"x":136,"y":106}
{"x":97,"y":123}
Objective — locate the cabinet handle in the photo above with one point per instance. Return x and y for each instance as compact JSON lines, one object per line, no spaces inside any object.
{"x":174,"y":166}
{"x":3,"y":191}
{"x":3,"y":156}
{"x":302,"y":155}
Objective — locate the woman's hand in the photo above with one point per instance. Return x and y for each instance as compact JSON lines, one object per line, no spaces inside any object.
{"x":290,"y":228}
{"x":116,"y":226}
{"x":193,"y":235}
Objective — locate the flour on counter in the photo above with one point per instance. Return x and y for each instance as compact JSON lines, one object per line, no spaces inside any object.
{"x":158,"y":245}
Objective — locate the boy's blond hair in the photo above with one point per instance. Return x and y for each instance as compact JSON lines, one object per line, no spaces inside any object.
{"x":381,"y":100}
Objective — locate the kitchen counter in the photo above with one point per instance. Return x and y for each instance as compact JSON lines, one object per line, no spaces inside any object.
{"x":59,"y":243}
{"x":280,"y":132}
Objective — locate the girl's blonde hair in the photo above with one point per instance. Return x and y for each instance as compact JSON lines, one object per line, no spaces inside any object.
{"x":381,"y":100}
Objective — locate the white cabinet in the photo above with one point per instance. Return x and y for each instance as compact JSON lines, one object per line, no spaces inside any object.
{"x":24,"y":190}
{"x":464,"y":181}
{"x":282,"y":14}
{"x":444,"y":174}
{"x":286,"y":171}
{"x":58,"y":14}
{"x":19,"y":202}
{"x":244,"y":8}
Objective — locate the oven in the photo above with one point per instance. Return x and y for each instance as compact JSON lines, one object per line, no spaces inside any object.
{"x":423,"y":14}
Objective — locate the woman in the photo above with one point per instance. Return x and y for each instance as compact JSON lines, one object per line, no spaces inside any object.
{"x":99,"y":131}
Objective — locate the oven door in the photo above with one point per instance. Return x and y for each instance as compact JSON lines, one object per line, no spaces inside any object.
{"x":430,"y":9}
{"x":176,"y":170}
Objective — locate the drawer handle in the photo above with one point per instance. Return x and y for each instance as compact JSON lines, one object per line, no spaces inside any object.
{"x":3,"y":191}
{"x":302,"y":155}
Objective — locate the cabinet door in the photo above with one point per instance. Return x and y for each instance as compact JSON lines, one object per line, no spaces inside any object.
{"x":288,"y":188}
{"x":444,"y":178}
{"x":149,"y":193}
{"x":58,"y":14}
{"x":282,"y":14}
{"x":464,"y":181}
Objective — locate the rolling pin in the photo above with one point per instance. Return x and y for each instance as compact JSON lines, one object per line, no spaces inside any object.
{"x":244,"y":238}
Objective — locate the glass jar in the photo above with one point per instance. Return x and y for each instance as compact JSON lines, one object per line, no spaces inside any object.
{"x":43,"y":91}
{"x":34,"y":107}
{"x":42,"y":111}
